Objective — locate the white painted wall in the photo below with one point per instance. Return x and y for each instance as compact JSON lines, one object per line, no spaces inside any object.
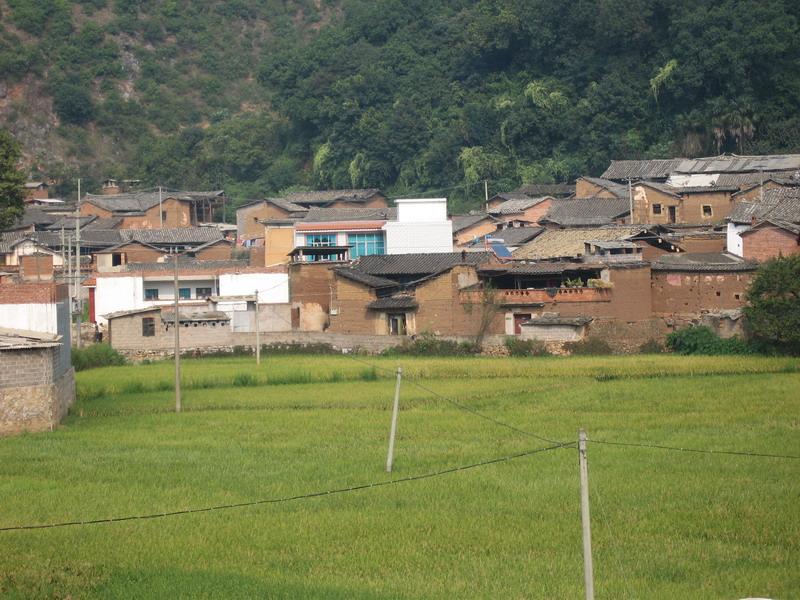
{"x":113,"y":294}
{"x":421,"y":210}
{"x":273,"y":288}
{"x":411,"y":238}
{"x":33,"y":317}
{"x":734,"y":238}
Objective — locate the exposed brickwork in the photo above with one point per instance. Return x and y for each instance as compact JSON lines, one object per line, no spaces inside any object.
{"x":680,"y":293}
{"x":36,"y":267}
{"x":768,"y":241}
{"x":32,"y":293}
{"x":310,"y":287}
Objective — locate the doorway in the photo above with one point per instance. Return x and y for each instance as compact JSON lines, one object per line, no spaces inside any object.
{"x":519,"y":319}
{"x":673,"y":214}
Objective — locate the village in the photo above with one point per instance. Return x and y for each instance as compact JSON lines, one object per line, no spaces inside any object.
{"x":651,"y":247}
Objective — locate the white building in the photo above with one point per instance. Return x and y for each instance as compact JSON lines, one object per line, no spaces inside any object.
{"x":422,"y":226}
{"x":116,"y":292}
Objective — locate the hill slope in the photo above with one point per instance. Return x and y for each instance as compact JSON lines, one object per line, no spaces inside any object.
{"x":408,"y":96}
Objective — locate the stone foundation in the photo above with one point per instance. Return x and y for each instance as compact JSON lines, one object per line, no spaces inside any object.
{"x":36,"y":407}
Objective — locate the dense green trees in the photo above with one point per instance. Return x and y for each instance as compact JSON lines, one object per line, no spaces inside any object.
{"x":12,"y":180}
{"x":414,"y":96}
{"x":773,"y":309}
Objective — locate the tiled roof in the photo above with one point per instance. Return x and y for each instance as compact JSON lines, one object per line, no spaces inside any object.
{"x":577,"y":321}
{"x":8,"y":239}
{"x":331,"y":215}
{"x":622,"y":170}
{"x":35,"y":216}
{"x":780,"y":203}
{"x":325,"y":196}
{"x":177,"y":235}
{"x":139,"y":202}
{"x":69,"y":223}
{"x":579,"y":212}
{"x":364,"y":278}
{"x":187,"y":264}
{"x":619,"y":190}
{"x":538,"y":268}
{"x":209,"y":315}
{"x":462,"y":222}
{"x":418,"y":264}
{"x":547,"y":189}
{"x":393,"y":303}
{"x":705,"y":261}
{"x":511,"y":236}
{"x":739,"y":164}
{"x":558,"y":243}
{"x":518,"y":205}
{"x":788,"y":226}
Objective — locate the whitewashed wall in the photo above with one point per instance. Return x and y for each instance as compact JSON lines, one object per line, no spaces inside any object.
{"x":410,"y":238}
{"x":113,"y":294}
{"x":33,"y":317}
{"x":734,"y":238}
{"x":273,"y":288}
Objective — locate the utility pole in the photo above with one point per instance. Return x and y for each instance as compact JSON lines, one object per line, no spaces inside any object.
{"x":588,"y":575}
{"x":63,"y":252}
{"x":258,"y":333}
{"x":177,"y":345}
{"x":160,"y":212}
{"x":393,"y":430}
{"x":78,"y":263}
{"x":486,"y":193}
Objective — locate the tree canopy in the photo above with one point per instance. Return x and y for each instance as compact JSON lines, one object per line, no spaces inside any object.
{"x":12,"y":180}
{"x":773,"y":309}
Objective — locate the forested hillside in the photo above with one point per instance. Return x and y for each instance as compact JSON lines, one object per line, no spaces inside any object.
{"x":410,"y":96}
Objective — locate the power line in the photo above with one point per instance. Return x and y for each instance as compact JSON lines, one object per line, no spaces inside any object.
{"x":318,"y":494}
{"x":696,"y":450}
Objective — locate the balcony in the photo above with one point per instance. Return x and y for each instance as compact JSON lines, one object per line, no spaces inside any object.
{"x":540,"y":296}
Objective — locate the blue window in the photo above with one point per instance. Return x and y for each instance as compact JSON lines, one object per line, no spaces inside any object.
{"x":185,"y":293}
{"x":365,"y":244}
{"x":320,"y":239}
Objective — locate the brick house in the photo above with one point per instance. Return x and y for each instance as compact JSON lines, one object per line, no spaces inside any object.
{"x":37,"y":382}
{"x":587,"y":212}
{"x":153,"y":210}
{"x":771,"y":238}
{"x":468,"y":228}
{"x":519,"y":207}
{"x":762,"y":229}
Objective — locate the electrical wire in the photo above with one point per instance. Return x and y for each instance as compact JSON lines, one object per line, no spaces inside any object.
{"x":318,"y":494}
{"x":696,"y":450}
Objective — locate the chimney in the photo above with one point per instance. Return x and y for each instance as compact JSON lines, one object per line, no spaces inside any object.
{"x":111,"y":187}
{"x":36,"y":267}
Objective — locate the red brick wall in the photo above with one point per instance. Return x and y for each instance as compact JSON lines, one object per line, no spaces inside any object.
{"x":768,"y":241}
{"x":32,"y":293}
{"x":36,"y":267}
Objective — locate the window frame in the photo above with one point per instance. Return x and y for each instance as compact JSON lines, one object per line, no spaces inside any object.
{"x":148,"y":327}
{"x":657,"y":209}
{"x":151,"y":297}
{"x":703,"y":208}
{"x":185,"y":293}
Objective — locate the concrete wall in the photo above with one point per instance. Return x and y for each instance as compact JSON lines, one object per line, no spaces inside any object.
{"x":411,"y":238}
{"x":273,"y":288}
{"x":733,"y":241}
{"x":35,"y":391}
{"x":767,"y":241}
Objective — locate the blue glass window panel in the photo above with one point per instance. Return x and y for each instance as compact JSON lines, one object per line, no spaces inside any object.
{"x":366,"y":244}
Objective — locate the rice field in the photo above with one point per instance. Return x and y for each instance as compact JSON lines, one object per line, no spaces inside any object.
{"x":666,"y":524}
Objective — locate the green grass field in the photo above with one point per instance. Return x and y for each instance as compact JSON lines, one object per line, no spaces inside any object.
{"x":666,"y":524}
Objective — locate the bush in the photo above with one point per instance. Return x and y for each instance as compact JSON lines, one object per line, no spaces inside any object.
{"x":702,"y":340}
{"x":427,"y":344}
{"x":589,"y":347}
{"x":97,"y":355}
{"x":651,"y":347}
{"x":245,"y":380}
{"x":518,"y":347}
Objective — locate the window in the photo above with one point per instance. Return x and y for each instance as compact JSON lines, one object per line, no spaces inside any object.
{"x":202,"y":292}
{"x":116,"y":259}
{"x":656,"y":209}
{"x":707,"y":212}
{"x":320,"y":239}
{"x":151,"y":294}
{"x":184,"y":293}
{"x":365,"y":244}
{"x":163,"y":215}
{"x":148,"y":327}
{"x":397,"y":324}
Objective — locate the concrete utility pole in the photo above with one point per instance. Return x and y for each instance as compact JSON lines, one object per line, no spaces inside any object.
{"x":258,"y":333}
{"x":588,"y":575}
{"x":393,"y":430}
{"x":486,"y":193}
{"x":630,"y":199}
{"x":78,"y":263}
{"x":177,"y":345}
{"x":160,"y":212}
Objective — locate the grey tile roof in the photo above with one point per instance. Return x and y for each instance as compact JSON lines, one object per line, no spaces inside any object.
{"x":187,"y":264}
{"x":68,"y":223}
{"x":618,"y":189}
{"x":546,"y":320}
{"x":511,"y":236}
{"x":738,"y":164}
{"x":393,"y":303}
{"x":177,"y":235}
{"x":538,"y":268}
{"x":517,"y":205}
{"x":417,"y":264}
{"x":547,"y":189}
{"x":325,"y":196}
{"x":139,"y":202}
{"x":781,"y":203}
{"x":188,"y":317}
{"x":622,"y":170}
{"x":578,"y":212}
{"x":35,"y":216}
{"x":332,"y":215}
{"x":705,"y":261}
{"x":364,"y":278}
{"x":8,"y":239}
{"x":462,"y":222}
